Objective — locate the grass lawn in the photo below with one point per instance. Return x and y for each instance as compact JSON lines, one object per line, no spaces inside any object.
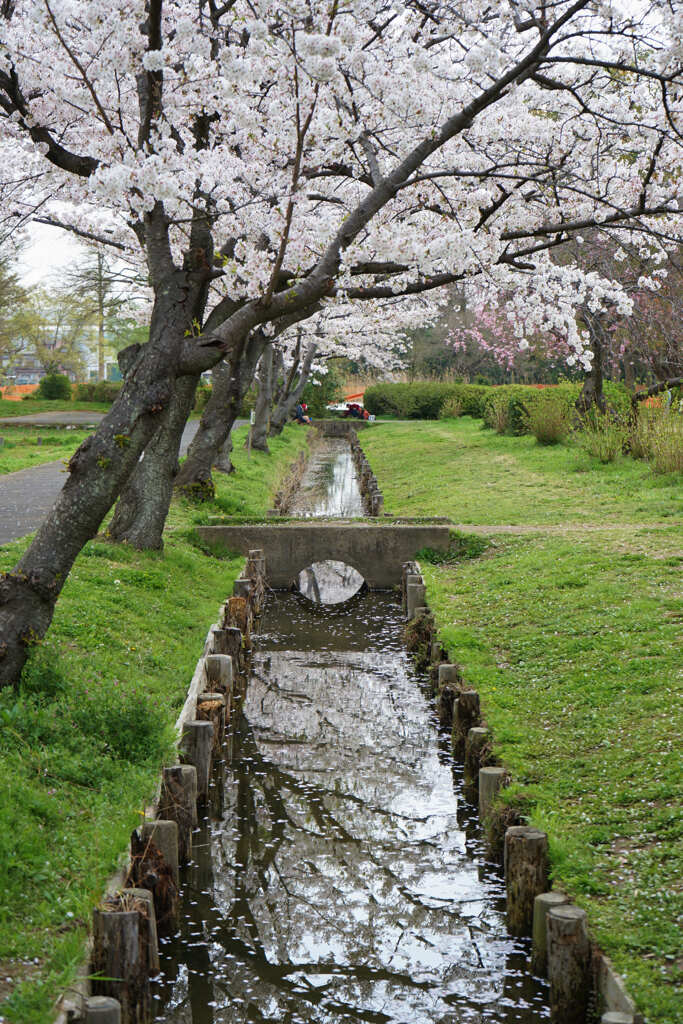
{"x":82,"y":743}
{"x":36,"y":405}
{"x":21,"y":448}
{"x":573,"y":638}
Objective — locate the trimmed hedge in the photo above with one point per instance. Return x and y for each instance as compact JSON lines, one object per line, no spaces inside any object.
{"x":98,"y":391}
{"x":54,"y":387}
{"x":425,"y":400}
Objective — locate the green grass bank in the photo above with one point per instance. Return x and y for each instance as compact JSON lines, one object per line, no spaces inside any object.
{"x":569,"y":626}
{"x":36,"y":405}
{"x":24,"y":447}
{"x":82,"y":743}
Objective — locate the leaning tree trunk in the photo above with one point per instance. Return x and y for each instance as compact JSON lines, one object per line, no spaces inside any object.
{"x":142,"y":509}
{"x":97,"y":472}
{"x":291,"y":395}
{"x":591,"y":392}
{"x":223,"y":461}
{"x":230,"y":383}
{"x":259,"y":429}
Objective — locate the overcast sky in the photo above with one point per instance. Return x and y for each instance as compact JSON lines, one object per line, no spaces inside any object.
{"x":48,"y":252}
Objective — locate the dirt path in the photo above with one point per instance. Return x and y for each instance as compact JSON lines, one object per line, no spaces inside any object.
{"x":563,"y":529}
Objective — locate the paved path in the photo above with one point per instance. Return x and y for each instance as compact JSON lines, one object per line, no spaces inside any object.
{"x":28,"y":495}
{"x":54,"y":419}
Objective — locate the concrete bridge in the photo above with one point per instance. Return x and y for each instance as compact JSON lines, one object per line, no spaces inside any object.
{"x":377,"y":552}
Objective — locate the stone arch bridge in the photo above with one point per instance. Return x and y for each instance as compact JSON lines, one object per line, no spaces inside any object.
{"x":376,"y":551}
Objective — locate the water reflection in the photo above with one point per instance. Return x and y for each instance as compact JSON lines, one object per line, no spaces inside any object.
{"x":341,"y":885}
{"x":330,"y":582}
{"x":329,"y":486}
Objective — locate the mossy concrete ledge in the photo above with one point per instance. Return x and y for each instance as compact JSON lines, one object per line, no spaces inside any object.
{"x":377,"y":552}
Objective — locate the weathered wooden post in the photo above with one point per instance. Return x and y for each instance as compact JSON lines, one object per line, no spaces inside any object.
{"x":449,"y":686}
{"x":154,"y":852}
{"x":475,"y":746}
{"x":219,"y":672}
{"x":491,"y":779}
{"x":120,"y":965}
{"x":178,"y":802}
{"x":196,"y":747}
{"x":102,"y":1010}
{"x":466,"y":714}
{"x":526,"y":875}
{"x":569,"y":957}
{"x":211,"y":707}
{"x":544,"y":902}
{"x":147,"y":898}
{"x":242,"y":587}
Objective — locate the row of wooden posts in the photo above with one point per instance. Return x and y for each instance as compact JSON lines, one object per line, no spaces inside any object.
{"x":126,"y":925}
{"x":369,"y":488}
{"x":562,"y":950}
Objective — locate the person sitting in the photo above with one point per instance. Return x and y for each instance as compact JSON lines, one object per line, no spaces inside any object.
{"x":353,"y":410}
{"x":301,"y":413}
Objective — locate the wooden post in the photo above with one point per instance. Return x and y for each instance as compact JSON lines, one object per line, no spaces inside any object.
{"x":475,"y":744}
{"x":102,"y":1010}
{"x":569,"y":957}
{"x":154,"y":853}
{"x":491,"y":779}
{"x":146,"y":896}
{"x":120,"y":956}
{"x":219,"y":672}
{"x":526,"y":875}
{"x":211,"y":708}
{"x":238,"y":612}
{"x":178,"y":802}
{"x":242,"y":587}
{"x":449,"y":686}
{"x":466,"y":714}
{"x":539,"y":932}
{"x":196,"y":747}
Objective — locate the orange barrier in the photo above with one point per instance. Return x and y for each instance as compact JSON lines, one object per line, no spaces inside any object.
{"x":15,"y":392}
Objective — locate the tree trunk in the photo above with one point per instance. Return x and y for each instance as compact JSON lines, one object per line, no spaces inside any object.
{"x":259,"y":429}
{"x":142,"y":509}
{"x":289,"y":399}
{"x":591,"y":392}
{"x":97,"y":472}
{"x":231,"y":381}
{"x":223,"y":461}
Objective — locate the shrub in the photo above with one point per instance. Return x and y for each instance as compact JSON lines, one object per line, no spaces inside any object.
{"x":497,"y":413}
{"x":55,"y":387}
{"x":451,"y":408}
{"x":423,"y":400}
{"x":104,"y":391}
{"x":549,"y":419}
{"x":639,"y":431}
{"x":602,"y":436}
{"x":202,"y":396}
{"x":665,"y":442}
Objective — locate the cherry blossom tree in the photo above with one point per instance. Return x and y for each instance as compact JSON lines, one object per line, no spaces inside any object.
{"x":266,"y":159}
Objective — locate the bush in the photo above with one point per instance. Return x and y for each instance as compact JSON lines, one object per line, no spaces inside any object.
{"x":602,"y":436}
{"x":549,"y":419}
{"x":104,"y":391}
{"x":423,"y":400}
{"x":665,"y":442}
{"x":55,"y":387}
{"x":202,"y":396}
{"x":497,"y":413}
{"x":451,"y":408}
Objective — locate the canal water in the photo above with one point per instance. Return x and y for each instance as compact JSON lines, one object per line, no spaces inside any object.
{"x":339,"y":874}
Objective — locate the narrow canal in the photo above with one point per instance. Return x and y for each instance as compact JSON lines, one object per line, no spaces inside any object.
{"x":339,"y":875}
